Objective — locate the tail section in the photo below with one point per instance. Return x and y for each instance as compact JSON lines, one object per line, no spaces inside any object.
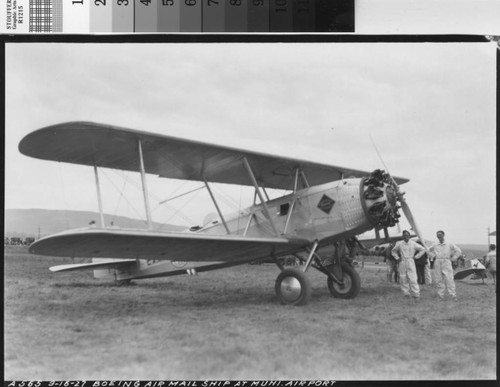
{"x":128,"y":269}
{"x":102,"y":264}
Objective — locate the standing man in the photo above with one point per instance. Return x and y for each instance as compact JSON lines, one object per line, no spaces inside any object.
{"x":428,"y":272}
{"x":405,"y":252}
{"x":392,"y":264}
{"x":420,"y":265}
{"x":491,"y":266}
{"x":444,"y":253}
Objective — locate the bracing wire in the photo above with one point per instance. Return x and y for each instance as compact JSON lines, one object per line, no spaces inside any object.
{"x":180,"y":195}
{"x":239,"y":208}
{"x":137,"y":212}
{"x":229,"y":201}
{"x":171,"y":196}
{"x":121,"y":196}
{"x":184,"y":205}
{"x":157,"y":199}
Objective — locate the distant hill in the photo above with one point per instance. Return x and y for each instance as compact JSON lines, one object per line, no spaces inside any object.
{"x":25,"y":223}
{"x":476,"y":251}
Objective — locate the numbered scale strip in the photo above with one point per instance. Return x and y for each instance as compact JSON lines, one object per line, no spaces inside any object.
{"x":158,"y":16}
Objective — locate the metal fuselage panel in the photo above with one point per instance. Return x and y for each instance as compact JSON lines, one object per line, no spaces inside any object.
{"x":323,"y":212}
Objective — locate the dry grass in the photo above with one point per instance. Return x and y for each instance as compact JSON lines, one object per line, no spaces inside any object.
{"x":228,"y":325}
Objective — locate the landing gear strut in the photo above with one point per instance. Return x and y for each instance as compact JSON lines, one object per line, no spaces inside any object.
{"x":292,"y":285}
{"x":343,"y":280}
{"x":294,"y":288}
{"x":350,"y":286}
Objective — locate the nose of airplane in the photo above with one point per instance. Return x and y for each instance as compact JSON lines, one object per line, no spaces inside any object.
{"x":379,"y":199}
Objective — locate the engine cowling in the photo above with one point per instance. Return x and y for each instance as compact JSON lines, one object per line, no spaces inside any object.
{"x":379,"y":199}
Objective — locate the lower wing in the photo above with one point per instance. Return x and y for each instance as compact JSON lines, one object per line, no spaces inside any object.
{"x":147,"y":244}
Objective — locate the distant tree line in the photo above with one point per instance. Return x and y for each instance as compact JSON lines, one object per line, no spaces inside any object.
{"x":18,"y":241}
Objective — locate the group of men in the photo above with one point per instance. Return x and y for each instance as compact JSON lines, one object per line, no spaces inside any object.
{"x":441,"y":255}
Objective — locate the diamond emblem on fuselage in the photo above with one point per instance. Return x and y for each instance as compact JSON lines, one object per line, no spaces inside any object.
{"x":326,"y":204}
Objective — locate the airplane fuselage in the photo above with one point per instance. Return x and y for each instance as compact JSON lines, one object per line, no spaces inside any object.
{"x":331,"y":210}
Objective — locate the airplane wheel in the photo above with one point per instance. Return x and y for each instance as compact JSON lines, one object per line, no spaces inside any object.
{"x":351,"y":286}
{"x":293,"y":287}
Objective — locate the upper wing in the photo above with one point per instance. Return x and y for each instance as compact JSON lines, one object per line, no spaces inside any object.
{"x":145,"y":244}
{"x":113,"y":147}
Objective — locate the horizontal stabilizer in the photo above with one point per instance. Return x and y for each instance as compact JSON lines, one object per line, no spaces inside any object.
{"x":115,"y":264}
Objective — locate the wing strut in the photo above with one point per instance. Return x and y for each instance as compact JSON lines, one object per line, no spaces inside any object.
{"x":99,"y":199}
{"x":312,"y":252}
{"x":145,"y":187}
{"x":292,"y":206}
{"x":264,"y":205}
{"x":216,"y":205}
{"x":304,"y":179}
{"x":248,"y":224}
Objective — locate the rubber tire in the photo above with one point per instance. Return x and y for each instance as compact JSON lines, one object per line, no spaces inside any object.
{"x":298,"y":279}
{"x":353,"y":282}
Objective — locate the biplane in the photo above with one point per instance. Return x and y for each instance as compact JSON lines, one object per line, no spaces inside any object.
{"x":323,"y":206}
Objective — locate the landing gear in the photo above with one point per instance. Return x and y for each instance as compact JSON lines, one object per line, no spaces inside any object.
{"x":350,"y":286}
{"x":293,"y":287}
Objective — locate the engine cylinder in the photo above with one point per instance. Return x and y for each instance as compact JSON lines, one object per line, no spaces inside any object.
{"x":379,"y":199}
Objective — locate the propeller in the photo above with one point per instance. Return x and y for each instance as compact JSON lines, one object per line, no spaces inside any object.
{"x":400,"y":195}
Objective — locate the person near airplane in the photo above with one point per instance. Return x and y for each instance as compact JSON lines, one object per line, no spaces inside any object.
{"x":420,"y":266}
{"x":443,"y":254}
{"x":392,"y":264}
{"x":428,"y":272}
{"x":491,"y":266}
{"x":406,"y":251}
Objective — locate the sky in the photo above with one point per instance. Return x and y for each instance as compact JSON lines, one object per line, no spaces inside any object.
{"x":429,"y":107}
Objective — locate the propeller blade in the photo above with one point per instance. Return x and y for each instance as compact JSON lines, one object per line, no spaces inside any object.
{"x":404,"y":205}
{"x":412,"y":221}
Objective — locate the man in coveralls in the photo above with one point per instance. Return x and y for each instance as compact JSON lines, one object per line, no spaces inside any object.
{"x":405,"y":251}
{"x":491,"y":266}
{"x":444,"y":253}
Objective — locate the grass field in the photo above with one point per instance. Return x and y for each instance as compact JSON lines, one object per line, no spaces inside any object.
{"x":228,"y":324}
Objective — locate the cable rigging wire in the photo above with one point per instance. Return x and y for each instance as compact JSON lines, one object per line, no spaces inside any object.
{"x":131,"y":206}
{"x":185,"y":204}
{"x":155,"y":197}
{"x":120,"y":198}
